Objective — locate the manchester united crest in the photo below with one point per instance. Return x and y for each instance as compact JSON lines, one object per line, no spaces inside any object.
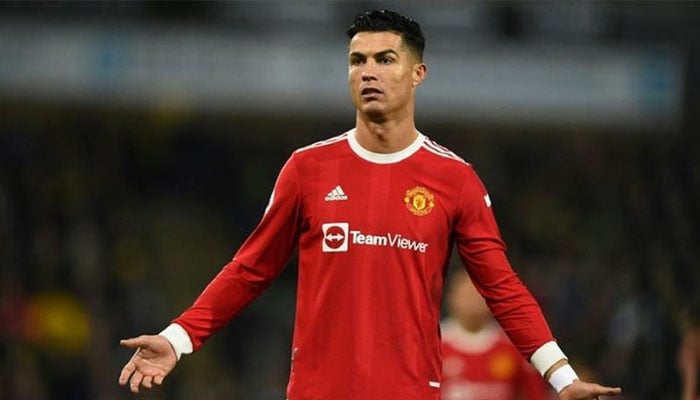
{"x":419,"y":201}
{"x":502,"y":366}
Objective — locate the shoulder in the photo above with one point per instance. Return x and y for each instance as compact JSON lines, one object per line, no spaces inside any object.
{"x":322,"y":145}
{"x":453,"y":164}
{"x":309,"y":156}
{"x":443,"y":154}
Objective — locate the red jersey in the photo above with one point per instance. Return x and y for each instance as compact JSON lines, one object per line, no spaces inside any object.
{"x":486,"y":366}
{"x":374,"y":233}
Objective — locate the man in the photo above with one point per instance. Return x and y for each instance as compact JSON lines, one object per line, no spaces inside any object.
{"x":478,"y":360}
{"x":375,"y":213}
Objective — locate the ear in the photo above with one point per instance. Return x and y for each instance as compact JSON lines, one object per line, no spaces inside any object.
{"x":420,"y":72}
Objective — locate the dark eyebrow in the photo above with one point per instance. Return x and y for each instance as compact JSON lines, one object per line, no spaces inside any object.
{"x":385,"y":52}
{"x":376,"y":55}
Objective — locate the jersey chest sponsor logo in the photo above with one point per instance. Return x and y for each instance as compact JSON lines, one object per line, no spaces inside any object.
{"x":337,"y":236}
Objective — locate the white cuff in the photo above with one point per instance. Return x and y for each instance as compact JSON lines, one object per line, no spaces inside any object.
{"x":178,"y":338}
{"x":546,"y":356}
{"x":562,"y":377}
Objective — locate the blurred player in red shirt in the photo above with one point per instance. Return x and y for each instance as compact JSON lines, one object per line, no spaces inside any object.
{"x":479,"y":362}
{"x":375,"y":213}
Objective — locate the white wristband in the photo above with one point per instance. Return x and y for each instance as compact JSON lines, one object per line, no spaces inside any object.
{"x":546,"y":356}
{"x":562,"y":377}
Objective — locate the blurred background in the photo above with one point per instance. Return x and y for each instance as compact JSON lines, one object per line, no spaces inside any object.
{"x":139,"y":142}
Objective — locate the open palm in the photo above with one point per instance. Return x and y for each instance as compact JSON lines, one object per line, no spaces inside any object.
{"x":151,"y":363}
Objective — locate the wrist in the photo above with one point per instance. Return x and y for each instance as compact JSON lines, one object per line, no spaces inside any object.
{"x":562,"y":377}
{"x":178,"y":338}
{"x":546,"y":357}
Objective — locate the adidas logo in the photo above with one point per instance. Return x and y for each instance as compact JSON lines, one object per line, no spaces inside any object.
{"x":336,"y":194}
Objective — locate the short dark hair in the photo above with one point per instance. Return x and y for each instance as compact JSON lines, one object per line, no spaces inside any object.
{"x":390,"y":21}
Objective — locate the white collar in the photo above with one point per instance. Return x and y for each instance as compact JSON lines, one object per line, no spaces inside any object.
{"x":383,"y":158}
{"x":472,"y":342}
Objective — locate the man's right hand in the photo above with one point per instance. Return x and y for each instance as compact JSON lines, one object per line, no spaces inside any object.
{"x":151,"y":363}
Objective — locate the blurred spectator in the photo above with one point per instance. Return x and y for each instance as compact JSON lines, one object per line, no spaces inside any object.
{"x":479,"y":361}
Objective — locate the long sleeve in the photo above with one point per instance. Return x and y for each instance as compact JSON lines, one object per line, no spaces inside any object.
{"x":483,"y":253}
{"x":257,"y":263}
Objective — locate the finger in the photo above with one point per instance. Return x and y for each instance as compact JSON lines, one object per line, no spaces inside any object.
{"x":134,"y":343}
{"x":136,"y":379}
{"x":126,"y":372}
{"x":612,"y":390}
{"x":605,"y":390}
{"x":158,"y":380}
{"x":147,"y":381}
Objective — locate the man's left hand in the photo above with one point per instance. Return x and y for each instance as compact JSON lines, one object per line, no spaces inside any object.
{"x":580,"y":390}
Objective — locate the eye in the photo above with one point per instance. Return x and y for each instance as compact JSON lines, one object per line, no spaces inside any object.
{"x":355,"y":61}
{"x":386,"y":60}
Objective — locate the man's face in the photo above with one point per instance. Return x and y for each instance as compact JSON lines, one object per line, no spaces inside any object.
{"x":382,"y":74}
{"x":465,"y":303}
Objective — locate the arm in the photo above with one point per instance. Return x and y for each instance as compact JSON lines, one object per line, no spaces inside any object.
{"x":483,"y":253}
{"x":256,"y":264}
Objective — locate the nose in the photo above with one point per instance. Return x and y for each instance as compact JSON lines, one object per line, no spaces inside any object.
{"x":368,"y":72}
{"x":368,"y":77}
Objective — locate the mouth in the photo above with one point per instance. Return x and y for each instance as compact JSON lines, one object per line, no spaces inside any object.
{"x":370,"y":93}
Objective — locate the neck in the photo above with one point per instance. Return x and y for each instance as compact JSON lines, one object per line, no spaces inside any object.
{"x":385,"y":136}
{"x":474,"y":326}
